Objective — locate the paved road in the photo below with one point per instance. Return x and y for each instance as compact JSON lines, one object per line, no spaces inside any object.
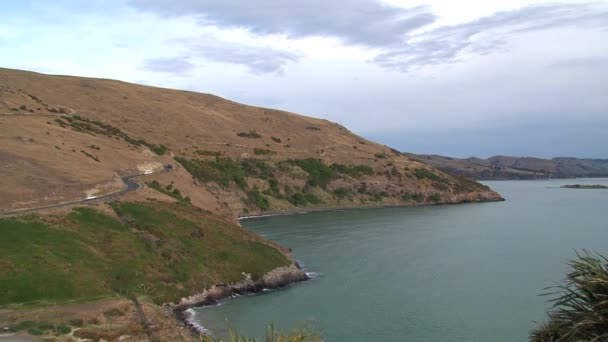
{"x":131,"y":186}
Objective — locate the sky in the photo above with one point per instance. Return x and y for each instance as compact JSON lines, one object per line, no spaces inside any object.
{"x":458,"y":78}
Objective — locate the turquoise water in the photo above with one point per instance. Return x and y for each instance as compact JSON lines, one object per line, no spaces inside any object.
{"x":468,"y":272}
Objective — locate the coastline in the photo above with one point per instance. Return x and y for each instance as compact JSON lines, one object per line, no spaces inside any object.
{"x":278,"y":278}
{"x":345,"y":208}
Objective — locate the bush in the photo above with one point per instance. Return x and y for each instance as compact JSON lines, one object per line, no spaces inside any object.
{"x":342,"y":192}
{"x":580,"y":311}
{"x":250,"y":134}
{"x":261,"y":151}
{"x":258,"y":200}
{"x":435,"y":198}
{"x":355,"y":171}
{"x":319,"y":173}
{"x":380,"y":155}
{"x":275,"y":139}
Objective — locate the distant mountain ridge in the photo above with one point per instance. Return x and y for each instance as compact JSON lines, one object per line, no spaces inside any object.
{"x":506,"y":167}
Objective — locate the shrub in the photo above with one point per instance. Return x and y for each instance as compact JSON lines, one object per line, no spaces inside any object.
{"x":342,"y":192}
{"x":261,"y":151}
{"x":319,"y":173}
{"x":579,"y":311}
{"x":258,"y":200}
{"x":275,"y":139}
{"x":435,"y":198}
{"x":355,"y":171}
{"x":250,"y":134}
{"x":23,"y":107}
{"x":90,"y":155}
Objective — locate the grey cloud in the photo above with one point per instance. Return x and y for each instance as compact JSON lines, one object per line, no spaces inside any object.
{"x":444,"y":44}
{"x":365,"y":22}
{"x":257,"y":59}
{"x":174,"y":65}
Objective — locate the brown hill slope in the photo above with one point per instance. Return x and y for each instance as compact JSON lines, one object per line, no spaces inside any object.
{"x":63,"y":138}
{"x":505,"y":167}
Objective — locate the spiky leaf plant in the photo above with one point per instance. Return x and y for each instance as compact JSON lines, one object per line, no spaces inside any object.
{"x":580,"y":304}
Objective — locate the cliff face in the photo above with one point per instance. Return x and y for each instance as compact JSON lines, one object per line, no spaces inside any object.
{"x":65,"y":138}
{"x":505,"y":167}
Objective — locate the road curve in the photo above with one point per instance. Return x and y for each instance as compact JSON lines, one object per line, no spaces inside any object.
{"x":131,"y":186}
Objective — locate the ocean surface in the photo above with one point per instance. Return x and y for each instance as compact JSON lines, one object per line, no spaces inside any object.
{"x":470,"y":272}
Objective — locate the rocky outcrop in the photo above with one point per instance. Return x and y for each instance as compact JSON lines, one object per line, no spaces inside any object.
{"x":279,"y":277}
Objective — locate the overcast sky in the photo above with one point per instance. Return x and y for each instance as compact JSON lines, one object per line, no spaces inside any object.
{"x":458,"y":78}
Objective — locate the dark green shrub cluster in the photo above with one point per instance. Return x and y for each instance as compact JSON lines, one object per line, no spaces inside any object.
{"x":275,"y":139}
{"x":435,"y":198}
{"x":261,"y":151}
{"x":258,"y":200}
{"x":299,"y":199}
{"x":319,"y":173}
{"x":208,"y":153}
{"x":580,"y":310}
{"x":250,"y":134}
{"x":342,"y":192}
{"x":421,"y":173}
{"x":355,"y":171}
{"x":257,"y":168}
{"x":416,"y":197}
{"x":169,"y":191}
{"x":221,"y":170}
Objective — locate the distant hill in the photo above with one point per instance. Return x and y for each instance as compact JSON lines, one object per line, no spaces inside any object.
{"x":504,"y":167}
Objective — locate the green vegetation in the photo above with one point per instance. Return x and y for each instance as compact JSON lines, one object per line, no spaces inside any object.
{"x":250,"y":134}
{"x":169,"y":191}
{"x":422,"y":173}
{"x":355,"y":171}
{"x":416,"y":197}
{"x":299,"y":199}
{"x":221,"y":170}
{"x":261,"y":151}
{"x":580,"y":310}
{"x":225,"y":170}
{"x":162,"y":250}
{"x":319,"y":173}
{"x":272,"y":335}
{"x":463,"y":184}
{"x":342,"y":192}
{"x":258,"y":200}
{"x":435,"y":198}
{"x":275,"y":139}
{"x":40,"y":328}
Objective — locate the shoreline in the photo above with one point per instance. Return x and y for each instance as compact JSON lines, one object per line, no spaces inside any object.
{"x":329,"y":209}
{"x":277,"y":278}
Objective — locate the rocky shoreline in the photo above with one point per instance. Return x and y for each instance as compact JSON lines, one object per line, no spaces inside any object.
{"x":277,"y":278}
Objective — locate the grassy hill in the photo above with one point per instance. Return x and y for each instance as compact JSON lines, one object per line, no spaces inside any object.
{"x":64,"y":137}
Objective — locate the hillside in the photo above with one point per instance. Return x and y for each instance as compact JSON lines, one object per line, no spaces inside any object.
{"x":504,"y":167}
{"x":67,"y":137}
{"x":174,"y":238}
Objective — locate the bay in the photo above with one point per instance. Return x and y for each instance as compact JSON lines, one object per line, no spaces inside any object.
{"x":470,"y":272}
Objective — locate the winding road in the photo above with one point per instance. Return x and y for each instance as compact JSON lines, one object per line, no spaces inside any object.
{"x":131,"y":186}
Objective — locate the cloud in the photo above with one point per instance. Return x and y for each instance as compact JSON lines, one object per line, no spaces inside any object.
{"x":257,"y":59}
{"x":445,"y":44}
{"x":173,"y":65}
{"x":365,"y":22}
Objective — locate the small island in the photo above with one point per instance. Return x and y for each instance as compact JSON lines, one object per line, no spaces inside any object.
{"x":580,"y":186}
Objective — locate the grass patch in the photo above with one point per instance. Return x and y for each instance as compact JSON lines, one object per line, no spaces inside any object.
{"x":161,"y":250}
{"x":258,"y":199}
